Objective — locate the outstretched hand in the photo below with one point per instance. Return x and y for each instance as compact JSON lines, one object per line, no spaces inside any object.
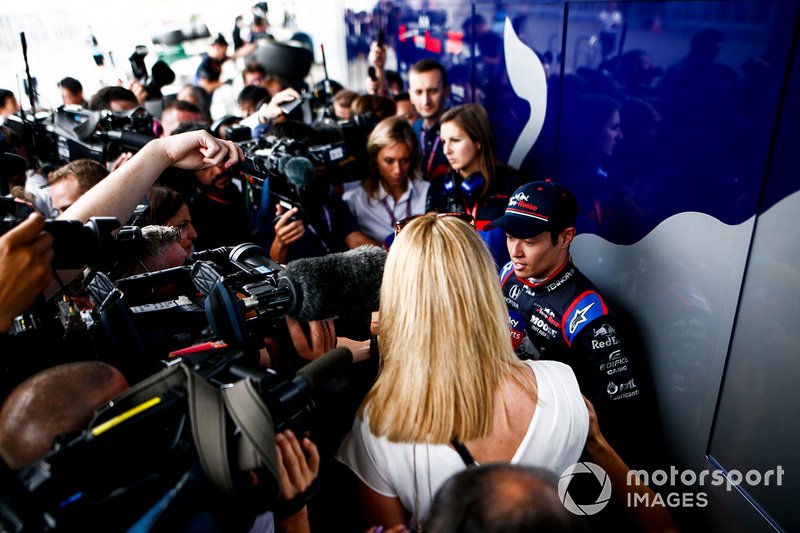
{"x":321,"y":338}
{"x":197,"y":150}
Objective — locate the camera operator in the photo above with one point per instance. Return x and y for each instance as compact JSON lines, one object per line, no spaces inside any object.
{"x":119,"y":193}
{"x":327,"y":225}
{"x":57,"y":400}
{"x":217,"y":207}
{"x":25,"y":256}
{"x":176,"y":113}
{"x":271,"y":113}
{"x":62,"y":400}
{"x":72,"y":92}
{"x":161,"y":249}
{"x":8,"y":103}
{"x":113,"y":98}
{"x":17,"y":179}
{"x":71,"y":181}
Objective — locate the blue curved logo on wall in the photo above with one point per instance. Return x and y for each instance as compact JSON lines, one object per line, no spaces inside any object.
{"x":643,"y":115}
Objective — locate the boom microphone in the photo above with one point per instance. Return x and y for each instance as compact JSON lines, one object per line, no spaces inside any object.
{"x":337,"y":284}
{"x":299,"y":171}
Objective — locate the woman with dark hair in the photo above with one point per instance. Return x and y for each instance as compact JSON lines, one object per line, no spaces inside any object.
{"x":477,"y":183}
{"x":168,"y":208}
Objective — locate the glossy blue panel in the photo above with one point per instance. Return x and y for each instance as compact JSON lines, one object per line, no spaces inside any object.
{"x":693,"y":87}
{"x":680,"y":121}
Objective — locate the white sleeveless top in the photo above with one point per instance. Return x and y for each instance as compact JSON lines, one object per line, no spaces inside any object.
{"x":554,"y":441}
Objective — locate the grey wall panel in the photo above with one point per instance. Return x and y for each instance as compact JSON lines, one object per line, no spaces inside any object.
{"x":680,"y":283}
{"x":756,"y":426}
{"x":729,"y":511}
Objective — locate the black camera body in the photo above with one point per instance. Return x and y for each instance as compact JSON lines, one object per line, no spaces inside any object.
{"x":300,"y":173}
{"x":143,"y":447}
{"x":145,"y":444}
{"x":161,"y":73}
{"x":70,"y":133}
{"x":75,"y":244}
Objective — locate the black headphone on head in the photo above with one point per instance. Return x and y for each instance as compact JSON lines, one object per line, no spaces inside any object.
{"x":470,"y":188}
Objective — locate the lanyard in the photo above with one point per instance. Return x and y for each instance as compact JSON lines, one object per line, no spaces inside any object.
{"x":330,"y":230}
{"x":474,"y":212}
{"x":390,"y":212}
{"x":433,"y":150}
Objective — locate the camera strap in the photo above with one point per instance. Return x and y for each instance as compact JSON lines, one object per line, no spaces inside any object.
{"x":226,"y":455}
{"x":212,"y":412}
{"x":252,"y":417}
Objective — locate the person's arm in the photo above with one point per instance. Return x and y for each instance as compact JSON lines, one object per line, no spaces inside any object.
{"x":120,"y":192}
{"x":209,"y":86}
{"x":377,"y":59}
{"x":272,"y":112}
{"x":286,"y":233}
{"x":321,"y":338}
{"x":25,"y":256}
{"x":648,"y":518}
{"x":360,"y":349}
{"x":357,"y":238}
{"x":244,"y":51}
{"x":380,"y":509}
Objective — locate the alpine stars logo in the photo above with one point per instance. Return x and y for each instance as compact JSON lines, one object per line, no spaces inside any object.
{"x":582,"y":469}
{"x":579,"y":318}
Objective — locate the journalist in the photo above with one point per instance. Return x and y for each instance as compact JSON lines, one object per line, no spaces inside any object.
{"x":319,"y":223}
{"x":394,"y":189}
{"x":438,"y":392}
{"x":119,"y":194}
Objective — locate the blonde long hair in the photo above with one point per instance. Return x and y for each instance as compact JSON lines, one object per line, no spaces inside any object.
{"x":389,"y":132}
{"x":444,"y":339}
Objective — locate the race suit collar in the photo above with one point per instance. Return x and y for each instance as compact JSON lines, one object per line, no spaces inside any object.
{"x":554,"y":281}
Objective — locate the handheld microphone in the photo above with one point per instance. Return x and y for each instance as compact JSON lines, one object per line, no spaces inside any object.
{"x":326,"y":367}
{"x":337,"y":284}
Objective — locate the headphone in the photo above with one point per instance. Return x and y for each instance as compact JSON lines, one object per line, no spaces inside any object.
{"x":470,"y":188}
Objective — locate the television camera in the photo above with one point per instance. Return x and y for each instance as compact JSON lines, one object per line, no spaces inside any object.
{"x":146,"y":444}
{"x":71,"y":132}
{"x":298,"y":172}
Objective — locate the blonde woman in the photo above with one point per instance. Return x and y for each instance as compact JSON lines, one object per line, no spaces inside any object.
{"x":393,"y":191}
{"x":448,"y":371}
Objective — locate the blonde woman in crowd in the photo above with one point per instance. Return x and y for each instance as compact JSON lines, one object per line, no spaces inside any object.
{"x":393,"y":190}
{"x":449,"y":379}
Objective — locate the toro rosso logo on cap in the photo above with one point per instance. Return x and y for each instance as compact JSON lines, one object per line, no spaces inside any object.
{"x":519,"y":205}
{"x":520,"y":196}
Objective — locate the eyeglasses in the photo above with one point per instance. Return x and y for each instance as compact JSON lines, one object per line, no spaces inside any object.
{"x":466,"y":217}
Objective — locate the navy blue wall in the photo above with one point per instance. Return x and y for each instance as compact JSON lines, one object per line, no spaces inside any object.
{"x":697,"y":85}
